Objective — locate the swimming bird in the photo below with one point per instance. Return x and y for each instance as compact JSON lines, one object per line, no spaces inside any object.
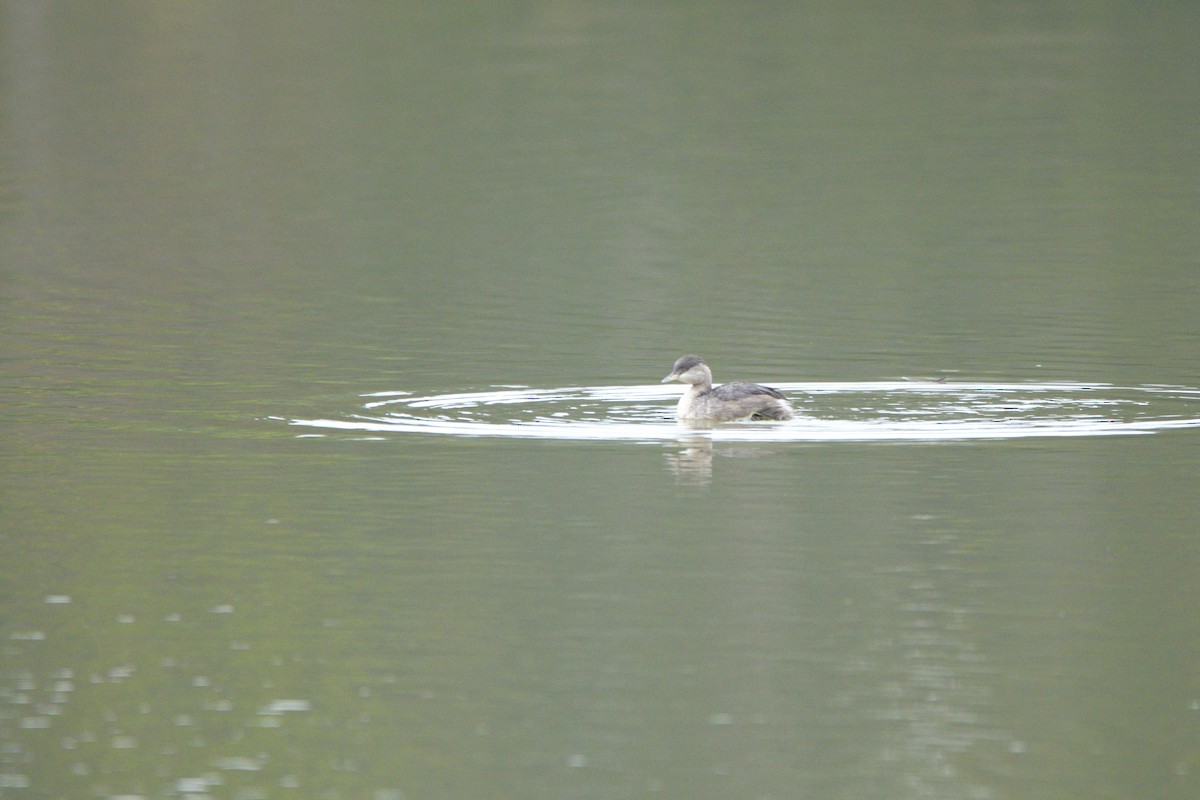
{"x":730,"y":401}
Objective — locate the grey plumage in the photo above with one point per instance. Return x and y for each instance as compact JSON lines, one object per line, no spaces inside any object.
{"x":736,"y":400}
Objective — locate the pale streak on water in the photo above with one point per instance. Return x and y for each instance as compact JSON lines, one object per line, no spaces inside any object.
{"x":830,"y":411}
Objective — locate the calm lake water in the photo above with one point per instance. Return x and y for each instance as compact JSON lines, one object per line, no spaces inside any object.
{"x":333,"y":458}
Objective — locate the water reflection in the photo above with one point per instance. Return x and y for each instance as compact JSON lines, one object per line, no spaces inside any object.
{"x":692,"y":461}
{"x":95,"y":726}
{"x":935,"y":694}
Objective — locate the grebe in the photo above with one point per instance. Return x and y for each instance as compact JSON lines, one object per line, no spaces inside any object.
{"x":730,"y":401}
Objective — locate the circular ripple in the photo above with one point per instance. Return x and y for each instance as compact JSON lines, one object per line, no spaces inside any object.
{"x":874,"y":411}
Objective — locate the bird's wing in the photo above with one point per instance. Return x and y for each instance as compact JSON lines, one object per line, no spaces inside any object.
{"x":739,"y":389}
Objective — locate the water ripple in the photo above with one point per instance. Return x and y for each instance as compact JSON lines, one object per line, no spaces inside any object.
{"x":861,"y":411}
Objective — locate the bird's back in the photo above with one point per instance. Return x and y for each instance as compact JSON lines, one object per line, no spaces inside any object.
{"x":739,"y":390}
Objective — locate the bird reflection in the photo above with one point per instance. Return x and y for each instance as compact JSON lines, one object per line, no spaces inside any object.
{"x":692,"y":462}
